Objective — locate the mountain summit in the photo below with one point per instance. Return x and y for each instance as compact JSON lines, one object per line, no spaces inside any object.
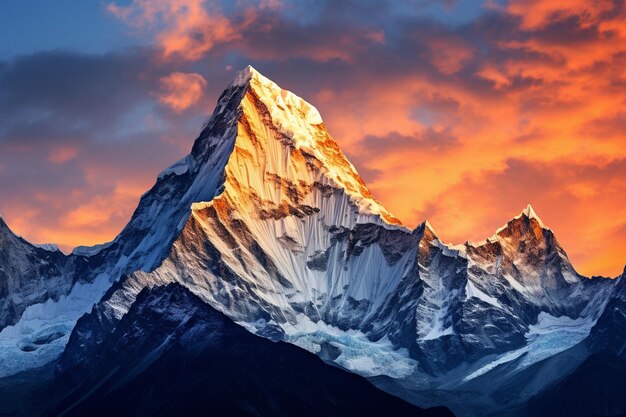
{"x":267,"y":222}
{"x":277,"y":151}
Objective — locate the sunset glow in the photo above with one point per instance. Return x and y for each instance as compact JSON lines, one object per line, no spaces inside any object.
{"x":456,"y":112}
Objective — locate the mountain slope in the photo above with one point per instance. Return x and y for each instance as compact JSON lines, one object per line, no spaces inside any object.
{"x":595,"y":388}
{"x":32,"y":278}
{"x":608,"y":332}
{"x":172,"y":354}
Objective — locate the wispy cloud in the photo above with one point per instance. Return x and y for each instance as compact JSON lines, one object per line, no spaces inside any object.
{"x":181,"y":90}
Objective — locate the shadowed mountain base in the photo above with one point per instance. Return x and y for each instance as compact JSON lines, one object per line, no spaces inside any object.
{"x":174,"y":355}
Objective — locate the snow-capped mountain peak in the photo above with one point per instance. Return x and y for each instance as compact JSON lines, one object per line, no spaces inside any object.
{"x":243,"y":77}
{"x":528,"y":218}
{"x":427,"y":225}
{"x":299,"y":145}
{"x":531,"y":214}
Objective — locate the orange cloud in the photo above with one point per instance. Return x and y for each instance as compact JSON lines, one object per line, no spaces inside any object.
{"x":184,"y":28}
{"x":449,"y":53}
{"x":181,"y":90}
{"x":62,"y":154}
{"x":376,"y":36}
{"x":190,"y":29}
{"x":498,"y":79}
{"x":538,"y":13}
{"x":98,"y":212}
{"x":92,"y":219}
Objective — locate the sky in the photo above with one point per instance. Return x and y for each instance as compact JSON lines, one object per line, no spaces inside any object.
{"x":459,"y":112}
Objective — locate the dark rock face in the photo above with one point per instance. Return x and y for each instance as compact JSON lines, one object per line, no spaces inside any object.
{"x":28,"y":275}
{"x":596,"y":388}
{"x":608,"y":333}
{"x":174,"y":355}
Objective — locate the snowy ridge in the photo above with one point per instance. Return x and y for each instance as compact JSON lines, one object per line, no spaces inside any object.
{"x":528,"y":213}
{"x":50,"y":247}
{"x":90,"y":250}
{"x":180,"y":167}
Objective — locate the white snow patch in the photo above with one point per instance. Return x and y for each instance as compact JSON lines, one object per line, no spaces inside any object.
{"x":18,"y":352}
{"x":90,"y":250}
{"x":358,"y":353}
{"x":243,"y":77}
{"x":178,"y":168}
{"x":438,"y":330}
{"x":473,"y":291}
{"x":548,"y":337}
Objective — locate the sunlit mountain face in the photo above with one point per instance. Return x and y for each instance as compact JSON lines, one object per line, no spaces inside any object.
{"x":287,"y":255}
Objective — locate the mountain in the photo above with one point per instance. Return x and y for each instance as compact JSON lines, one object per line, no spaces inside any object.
{"x":267,"y":222}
